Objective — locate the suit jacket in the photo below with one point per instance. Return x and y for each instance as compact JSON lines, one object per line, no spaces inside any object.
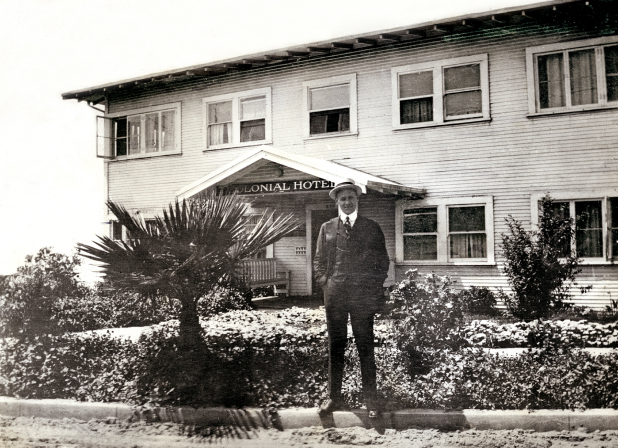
{"x":372,"y":263}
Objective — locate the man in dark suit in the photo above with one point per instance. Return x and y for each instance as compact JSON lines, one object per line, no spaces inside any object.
{"x":351,"y":263}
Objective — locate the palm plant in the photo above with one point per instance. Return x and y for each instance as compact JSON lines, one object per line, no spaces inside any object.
{"x":195,"y":247}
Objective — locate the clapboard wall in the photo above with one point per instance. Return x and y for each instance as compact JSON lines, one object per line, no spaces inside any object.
{"x":509,"y":157}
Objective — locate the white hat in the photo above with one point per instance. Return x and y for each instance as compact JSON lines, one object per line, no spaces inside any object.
{"x":346,"y":184}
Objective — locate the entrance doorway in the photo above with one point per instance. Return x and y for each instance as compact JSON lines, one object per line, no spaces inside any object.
{"x":318,"y":217}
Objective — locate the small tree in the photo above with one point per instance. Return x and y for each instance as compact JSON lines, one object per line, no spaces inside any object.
{"x":184,"y":255}
{"x":540,"y":265}
{"x":31,"y":298}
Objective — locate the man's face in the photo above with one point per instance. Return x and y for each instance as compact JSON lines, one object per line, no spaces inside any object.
{"x":347,"y":200}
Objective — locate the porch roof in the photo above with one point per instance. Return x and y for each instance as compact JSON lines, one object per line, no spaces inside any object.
{"x":323,"y":169}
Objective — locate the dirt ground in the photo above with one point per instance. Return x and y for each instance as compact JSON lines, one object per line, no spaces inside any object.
{"x":44,"y":433}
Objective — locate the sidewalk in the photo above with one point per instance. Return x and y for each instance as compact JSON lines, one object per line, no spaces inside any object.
{"x":540,"y":421}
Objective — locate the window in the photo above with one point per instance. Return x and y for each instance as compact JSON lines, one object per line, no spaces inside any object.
{"x":420,"y":233}
{"x":240,"y":119}
{"x":573,"y":76}
{"x":596,"y":223}
{"x":445,"y":230}
{"x":440,"y":92}
{"x":140,"y":133}
{"x":330,"y":106}
{"x":588,"y":227}
{"x":466,"y":232}
{"x":116,"y":232}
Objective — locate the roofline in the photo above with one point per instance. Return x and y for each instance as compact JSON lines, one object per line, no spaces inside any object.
{"x":293,"y":52}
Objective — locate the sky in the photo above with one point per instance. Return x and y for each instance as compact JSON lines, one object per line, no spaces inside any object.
{"x":51,"y":184}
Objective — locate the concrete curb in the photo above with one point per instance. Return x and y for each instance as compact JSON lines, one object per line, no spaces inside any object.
{"x":541,"y":420}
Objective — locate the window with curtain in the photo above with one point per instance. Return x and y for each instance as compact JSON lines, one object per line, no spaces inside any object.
{"x":436,"y":92}
{"x":329,"y":109}
{"x":551,"y":81}
{"x":219,"y":123}
{"x":238,"y":119}
{"x":148,"y":133}
{"x":573,"y":75}
{"x":420,"y":233}
{"x":590,"y":217}
{"x":467,"y":236}
{"x":445,"y":231}
{"x":588,"y":229}
{"x":416,"y":97}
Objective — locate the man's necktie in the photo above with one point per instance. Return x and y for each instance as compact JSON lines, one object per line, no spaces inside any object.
{"x":347,"y":225}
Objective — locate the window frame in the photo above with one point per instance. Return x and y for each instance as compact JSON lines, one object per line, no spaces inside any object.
{"x":439,"y":91}
{"x":572,"y":197}
{"x":532,"y":75}
{"x":331,"y":82}
{"x":110,"y":119}
{"x":442,"y":205}
{"x":236,"y":99}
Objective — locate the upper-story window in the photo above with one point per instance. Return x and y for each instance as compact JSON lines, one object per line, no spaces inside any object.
{"x":239,"y":119}
{"x":440,"y":92}
{"x":141,"y":132}
{"x":573,"y":76}
{"x":330,"y":106}
{"x":445,"y":230}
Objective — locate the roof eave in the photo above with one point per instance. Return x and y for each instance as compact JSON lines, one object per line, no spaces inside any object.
{"x":356,"y":41}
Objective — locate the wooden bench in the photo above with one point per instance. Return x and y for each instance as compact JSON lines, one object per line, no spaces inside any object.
{"x":263,"y":272}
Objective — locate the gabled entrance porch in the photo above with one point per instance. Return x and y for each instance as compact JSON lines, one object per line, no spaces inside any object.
{"x":292,"y":183}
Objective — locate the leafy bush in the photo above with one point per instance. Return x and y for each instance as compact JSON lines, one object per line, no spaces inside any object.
{"x":105,"y":307}
{"x":481,"y":300}
{"x":537,"y":379}
{"x":425,"y":316}
{"x":31,"y":298}
{"x":540,"y":265}
{"x":85,"y":367}
{"x":222,"y":300}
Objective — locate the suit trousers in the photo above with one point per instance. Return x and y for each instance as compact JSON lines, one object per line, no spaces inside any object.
{"x":343,"y":298}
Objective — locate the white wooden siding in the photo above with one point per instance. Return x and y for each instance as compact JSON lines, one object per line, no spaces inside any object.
{"x":507,"y":158}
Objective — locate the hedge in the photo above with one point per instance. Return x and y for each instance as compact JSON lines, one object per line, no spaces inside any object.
{"x":259,"y":359}
{"x":486,"y":333}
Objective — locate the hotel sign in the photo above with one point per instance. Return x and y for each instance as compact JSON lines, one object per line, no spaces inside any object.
{"x":287,"y":186}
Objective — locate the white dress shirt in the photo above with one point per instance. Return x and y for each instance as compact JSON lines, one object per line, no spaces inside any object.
{"x":352,"y":217}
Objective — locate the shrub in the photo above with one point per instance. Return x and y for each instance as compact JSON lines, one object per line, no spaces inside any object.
{"x":244,"y":359}
{"x":481,"y":300}
{"x":222,"y":300}
{"x":425,"y":316}
{"x":85,"y":367}
{"x":31,"y":298}
{"x":105,"y":307}
{"x":540,"y":265}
